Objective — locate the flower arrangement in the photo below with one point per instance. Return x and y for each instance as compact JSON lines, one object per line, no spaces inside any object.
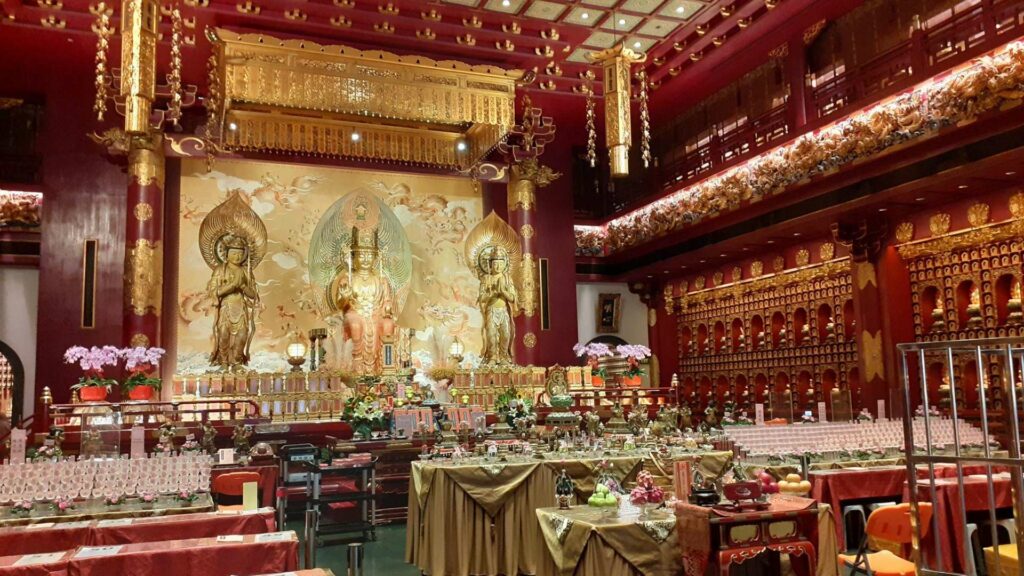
{"x":634,"y":353}
{"x":593,"y":351}
{"x":22,"y":507}
{"x":63,"y":504}
{"x":44,"y":453}
{"x":364,"y":415}
{"x":864,"y":416}
{"x":646,"y":492}
{"x":441,"y":373}
{"x":162,"y":448}
{"x":186,"y":497}
{"x":190,"y":446}
{"x":147,"y":497}
{"x":114,"y":500}
{"x":140,"y":363}
{"x":92,"y":360}
{"x":604,"y":476}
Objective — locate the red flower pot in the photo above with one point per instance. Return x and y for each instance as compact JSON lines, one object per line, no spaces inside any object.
{"x":141,"y":393}
{"x":631,"y":381}
{"x":92,"y":393}
{"x":597,"y":380}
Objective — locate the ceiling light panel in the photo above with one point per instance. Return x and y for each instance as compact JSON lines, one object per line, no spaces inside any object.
{"x":581,"y":16}
{"x":544,"y":10}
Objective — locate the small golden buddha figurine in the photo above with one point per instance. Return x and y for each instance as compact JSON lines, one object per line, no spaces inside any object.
{"x":805,"y":334}
{"x":1013,"y":305}
{"x":830,"y":330}
{"x":938,"y":317}
{"x":742,"y":341}
{"x":974,"y":318}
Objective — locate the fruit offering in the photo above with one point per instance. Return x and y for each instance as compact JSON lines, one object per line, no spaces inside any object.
{"x":768,"y":484}
{"x":795,"y":485}
{"x":603,"y":497}
{"x":646,"y":492}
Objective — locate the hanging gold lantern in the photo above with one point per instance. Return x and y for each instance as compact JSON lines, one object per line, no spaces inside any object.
{"x":140,"y":20}
{"x":617,"y":123}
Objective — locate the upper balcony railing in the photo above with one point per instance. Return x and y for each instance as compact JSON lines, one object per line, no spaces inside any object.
{"x":937,"y":46}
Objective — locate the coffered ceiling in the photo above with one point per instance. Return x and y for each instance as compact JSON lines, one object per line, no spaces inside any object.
{"x":549,"y":36}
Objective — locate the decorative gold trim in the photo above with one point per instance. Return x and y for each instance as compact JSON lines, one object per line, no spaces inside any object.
{"x":528,"y":289}
{"x":700,"y":295}
{"x":146,"y":160}
{"x":803,"y":257}
{"x":143,"y":211}
{"x":526,"y":231}
{"x":866,"y":275}
{"x":144,"y":277}
{"x":969,"y":237}
{"x":871,"y":350}
{"x":756,"y":268}
{"x":140,"y":341}
{"x":827,"y":251}
{"x":529,"y":339}
{"x":939,"y":223}
{"x":905,"y":232}
{"x":977,"y":215}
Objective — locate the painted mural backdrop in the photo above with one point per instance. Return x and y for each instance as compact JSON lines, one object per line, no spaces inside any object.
{"x":436,"y":212}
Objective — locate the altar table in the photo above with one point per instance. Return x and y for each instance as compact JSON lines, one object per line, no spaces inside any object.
{"x":206,"y":556}
{"x":582,"y":541}
{"x":480,"y":518}
{"x":95,"y":510}
{"x":814,"y":537}
{"x":33,"y":539}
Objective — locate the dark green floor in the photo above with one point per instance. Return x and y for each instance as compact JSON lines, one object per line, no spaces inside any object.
{"x":385,"y":557}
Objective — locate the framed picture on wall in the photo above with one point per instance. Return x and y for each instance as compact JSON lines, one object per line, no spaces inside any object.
{"x":608,"y":311}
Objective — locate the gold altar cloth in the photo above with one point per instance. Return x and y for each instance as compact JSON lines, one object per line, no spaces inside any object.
{"x":480,"y":518}
{"x":95,"y":510}
{"x":582,"y":541}
{"x":712,"y":465}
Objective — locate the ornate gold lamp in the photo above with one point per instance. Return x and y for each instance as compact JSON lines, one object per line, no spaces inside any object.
{"x":456,"y":350}
{"x":296,"y":351}
{"x":616,"y":62}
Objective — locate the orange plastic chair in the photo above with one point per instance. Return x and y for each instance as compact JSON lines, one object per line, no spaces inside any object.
{"x":891,"y":524}
{"x":230,"y":484}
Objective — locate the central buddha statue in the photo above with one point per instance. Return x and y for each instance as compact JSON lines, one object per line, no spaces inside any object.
{"x":360,"y":265}
{"x":365,"y":300}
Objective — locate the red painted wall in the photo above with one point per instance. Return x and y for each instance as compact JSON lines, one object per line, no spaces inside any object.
{"x":84,"y":196}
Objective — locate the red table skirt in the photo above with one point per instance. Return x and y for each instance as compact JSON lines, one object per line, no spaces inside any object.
{"x":26,"y":540}
{"x":267,"y":484}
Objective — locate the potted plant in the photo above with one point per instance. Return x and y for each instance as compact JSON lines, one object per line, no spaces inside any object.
{"x":45,"y":452}
{"x":147,"y":499}
{"x":594,"y":351}
{"x":63,"y":505}
{"x":140,"y":363}
{"x":185,"y":498}
{"x":22,"y":508}
{"x":633,"y":353}
{"x":114,"y":501}
{"x":92,"y":386}
{"x":364,"y":415}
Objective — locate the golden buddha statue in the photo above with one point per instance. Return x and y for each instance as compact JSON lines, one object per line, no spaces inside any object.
{"x":1013,"y":304}
{"x":233,"y":240}
{"x":365,"y":301}
{"x":360,"y":265}
{"x":492,"y":249}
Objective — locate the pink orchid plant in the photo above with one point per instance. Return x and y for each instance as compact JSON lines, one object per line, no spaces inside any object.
{"x":64,"y":504}
{"x":140,"y":363}
{"x":22,"y":507}
{"x":92,"y":360}
{"x":593,"y":351}
{"x":633,"y":353}
{"x":186,"y":496}
{"x":147,"y":497}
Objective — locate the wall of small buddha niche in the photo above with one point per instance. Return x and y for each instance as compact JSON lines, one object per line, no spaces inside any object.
{"x":752,"y":330}
{"x":970,"y":247}
{"x":755,"y":328}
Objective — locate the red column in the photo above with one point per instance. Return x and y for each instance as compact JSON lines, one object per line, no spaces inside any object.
{"x":796,"y":75}
{"x":143,"y":273}
{"x":522,"y":205}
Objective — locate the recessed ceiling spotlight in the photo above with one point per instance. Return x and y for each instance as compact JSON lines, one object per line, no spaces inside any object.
{"x":585,"y":15}
{"x":232,"y":126}
{"x":461,"y":146}
{"x":637,"y":45}
{"x":722,"y":255}
{"x":506,"y":3}
{"x":921,"y":199}
{"x":882,"y":209}
{"x":650,"y":276}
{"x":680,"y":9}
{"x":1010,"y":173}
{"x":665,"y":272}
{"x":746,"y":249}
{"x":962,"y":187}
{"x":622,"y":21}
{"x":796,"y":233}
{"x":703,"y":261}
{"x":355,"y":136}
{"x":770,"y":242}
